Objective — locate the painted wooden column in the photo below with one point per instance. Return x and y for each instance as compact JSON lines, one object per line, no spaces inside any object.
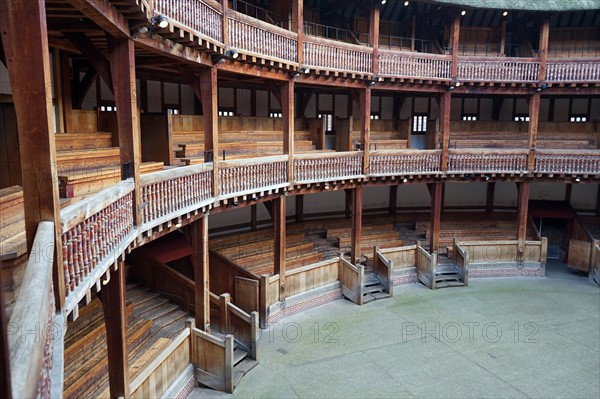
{"x":5,"y":381}
{"x":364,"y":102}
{"x":300,"y":208}
{"x":454,"y":35}
{"x":279,"y":236}
{"x":113,"y":303}
{"x":435,"y":192}
{"x":534,"y":114}
{"x":491,"y":192}
{"x":210,"y":111}
{"x":356,"y":233}
{"x":445,"y":104}
{"x":523,"y":204}
{"x":28,"y":64}
{"x":287,"y":111}
{"x":393,"y":199}
{"x":199,"y":238}
{"x":374,"y":34}
{"x":543,"y":47}
{"x":122,"y":68}
{"x":298,"y":27}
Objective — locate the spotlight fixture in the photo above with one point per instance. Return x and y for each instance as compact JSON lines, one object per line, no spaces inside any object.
{"x":254,"y":198}
{"x":406,"y":3}
{"x":379,"y":78}
{"x":577,"y":179}
{"x":304,"y":70}
{"x":486,"y":177}
{"x":296,"y":75}
{"x":326,"y":187}
{"x":178,"y":225}
{"x":220,"y":59}
{"x":541,"y":87}
{"x":232,"y":53}
{"x":457,"y":83}
{"x":159,"y":21}
{"x":405,"y":180}
{"x":505,"y":13}
{"x":452,"y":87}
{"x":233,"y":202}
{"x":463,"y":12}
{"x":383,"y":1}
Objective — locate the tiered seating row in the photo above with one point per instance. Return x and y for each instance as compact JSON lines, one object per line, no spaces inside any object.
{"x":12,"y":223}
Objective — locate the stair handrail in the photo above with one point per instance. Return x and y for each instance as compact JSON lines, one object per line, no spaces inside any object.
{"x":461,"y":258}
{"x":426,"y":266}
{"x":351,"y":279}
{"x":245,"y":326}
{"x":384,"y":269}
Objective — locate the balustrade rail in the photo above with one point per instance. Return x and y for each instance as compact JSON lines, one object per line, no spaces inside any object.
{"x":496,"y":161}
{"x":584,"y":70}
{"x":327,"y":166}
{"x":262,"y":39}
{"x":250,"y":175}
{"x":415,"y":65}
{"x":332,"y":55}
{"x":404,"y":162}
{"x":194,"y":14}
{"x":93,"y":229}
{"x":564,"y":161}
{"x":498,"y":69}
{"x":172,"y":190}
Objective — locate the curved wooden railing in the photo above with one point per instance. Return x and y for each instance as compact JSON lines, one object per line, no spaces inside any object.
{"x":326,"y":54}
{"x":487,"y":161}
{"x":323,"y":167}
{"x":404,"y":162}
{"x":415,"y":65}
{"x":498,"y":69}
{"x":567,"y":162}
{"x":584,"y":70}
{"x":194,"y":14}
{"x":246,"y":176}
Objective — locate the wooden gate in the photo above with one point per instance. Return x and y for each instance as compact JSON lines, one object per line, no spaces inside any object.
{"x":246,"y":294}
{"x":579,"y":255}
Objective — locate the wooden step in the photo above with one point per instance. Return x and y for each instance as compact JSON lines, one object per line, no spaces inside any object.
{"x":242,"y":369}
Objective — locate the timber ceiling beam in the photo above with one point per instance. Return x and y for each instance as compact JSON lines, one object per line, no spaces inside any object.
{"x":105,"y":15}
{"x":96,"y":58}
{"x":253,"y":70}
{"x":168,"y":48}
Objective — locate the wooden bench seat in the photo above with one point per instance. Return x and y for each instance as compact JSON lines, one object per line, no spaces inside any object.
{"x":249,"y":239}
{"x":370,"y":239}
{"x":74,"y":161}
{"x":390,"y":144}
{"x":94,"y":180}
{"x":290,"y":263}
{"x":263,"y":246}
{"x":258,"y":257}
{"x":78,"y":141}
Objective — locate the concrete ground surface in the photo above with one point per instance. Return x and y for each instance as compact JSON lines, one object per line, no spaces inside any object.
{"x":496,"y":338}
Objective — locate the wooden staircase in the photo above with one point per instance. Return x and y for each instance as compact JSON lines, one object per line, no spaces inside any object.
{"x":372,"y":287}
{"x":242,"y":363}
{"x":447,"y":273}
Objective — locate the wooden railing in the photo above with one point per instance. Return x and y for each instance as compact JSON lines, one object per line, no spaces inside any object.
{"x":262,"y":39}
{"x":351,"y":279}
{"x":461,"y":258}
{"x":384,"y":269}
{"x":310,"y":277}
{"x":584,"y":70}
{"x":404,"y":162}
{"x":217,"y":369}
{"x":244,"y":328}
{"x":268,"y":296}
{"x":93,"y":231}
{"x":487,"y":161}
{"x":415,"y":65}
{"x":246,"y":176}
{"x":31,"y":324}
{"x":325,"y":54}
{"x":194,"y":14}
{"x":327,"y":166}
{"x":596,"y":264}
{"x":565,"y":161}
{"x":426,"y":264}
{"x":401,"y":257}
{"x":498,"y":69}
{"x":173,"y":190}
{"x":507,"y":251}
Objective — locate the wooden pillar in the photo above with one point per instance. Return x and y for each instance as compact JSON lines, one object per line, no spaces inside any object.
{"x":66,"y":90}
{"x":393,"y":199}
{"x":253,"y":217}
{"x":364,"y":102}
{"x":534,"y":113}
{"x":287,"y":111}
{"x":454,"y":35}
{"x":225,"y":5}
{"x":122,"y":68}
{"x":279,"y":235}
{"x":5,"y":381}
{"x":28,"y":64}
{"x":523,"y":205}
{"x":58,"y":91}
{"x":199,"y":238}
{"x":357,"y":196}
{"x":445,"y":103}
{"x":298,"y":27}
{"x":374,"y":35}
{"x":491,"y":192}
{"x":210,"y":111}
{"x":348,"y":203}
{"x":113,"y":303}
{"x":543,"y":47}
{"x":300,"y":208}
{"x":598,"y":201}
{"x":413,"y":32}
{"x":568,"y":190}
{"x":435,"y":192}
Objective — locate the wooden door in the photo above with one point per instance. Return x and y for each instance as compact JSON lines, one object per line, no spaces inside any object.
{"x":246,"y":294}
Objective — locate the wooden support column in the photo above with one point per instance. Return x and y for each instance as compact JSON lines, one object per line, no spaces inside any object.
{"x":287,"y":111}
{"x":122,"y":67}
{"x":489,"y":202}
{"x":356,"y":234}
{"x":67,"y":99}
{"x":503,"y":38}
{"x":534,"y":114}
{"x":598,"y":201}
{"x":5,"y":381}
{"x":454,"y":35}
{"x":393,"y":199}
{"x":28,"y":64}
{"x":445,"y":103}
{"x":348,"y":203}
{"x":225,"y":5}
{"x":374,"y":34}
{"x":113,"y":303}
{"x":568,"y":191}
{"x":435,"y":192}
{"x":300,"y":208}
{"x":298,"y":27}
{"x":364,"y":102}
{"x":523,"y":205}
{"x":210,"y":111}
{"x":199,"y":238}
{"x":543,"y":47}
{"x":279,"y":235}
{"x":253,"y":217}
